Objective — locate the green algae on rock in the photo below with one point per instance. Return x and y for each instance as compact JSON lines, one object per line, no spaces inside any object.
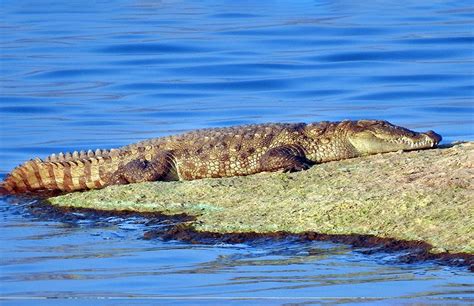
{"x":424,"y":196}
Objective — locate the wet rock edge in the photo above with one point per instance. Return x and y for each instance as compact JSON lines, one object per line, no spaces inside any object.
{"x":418,"y":251}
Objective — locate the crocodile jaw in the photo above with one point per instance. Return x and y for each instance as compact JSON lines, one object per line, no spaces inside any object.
{"x":369,"y":142}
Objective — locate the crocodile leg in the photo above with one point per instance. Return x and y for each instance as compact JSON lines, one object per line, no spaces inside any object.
{"x":143,"y":170}
{"x":286,"y":158}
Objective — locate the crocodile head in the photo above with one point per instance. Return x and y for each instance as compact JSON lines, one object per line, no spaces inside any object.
{"x":374,"y":136}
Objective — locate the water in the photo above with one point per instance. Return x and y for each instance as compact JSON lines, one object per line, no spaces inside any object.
{"x":101,"y":74}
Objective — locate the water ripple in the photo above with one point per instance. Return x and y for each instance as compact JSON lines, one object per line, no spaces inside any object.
{"x":73,"y":73}
{"x":404,"y":55}
{"x":467,"y":40}
{"x":153,"y":48}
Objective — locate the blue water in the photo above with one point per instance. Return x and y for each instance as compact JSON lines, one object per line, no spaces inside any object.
{"x":102,"y":74}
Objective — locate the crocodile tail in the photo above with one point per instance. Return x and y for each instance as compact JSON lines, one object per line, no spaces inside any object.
{"x":62,"y":172}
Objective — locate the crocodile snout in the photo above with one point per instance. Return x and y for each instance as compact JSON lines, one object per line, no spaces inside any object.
{"x":435,"y":137}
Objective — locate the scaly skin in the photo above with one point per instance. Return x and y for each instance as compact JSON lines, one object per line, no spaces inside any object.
{"x":221,"y":152}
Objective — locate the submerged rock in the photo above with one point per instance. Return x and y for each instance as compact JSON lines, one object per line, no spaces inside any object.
{"x":423,"y":196}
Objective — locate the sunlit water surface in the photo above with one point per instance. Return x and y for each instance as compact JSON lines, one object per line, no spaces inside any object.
{"x":101,"y":74}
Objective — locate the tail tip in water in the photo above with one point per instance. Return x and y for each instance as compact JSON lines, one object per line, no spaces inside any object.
{"x":6,"y":187}
{"x":3,"y":190}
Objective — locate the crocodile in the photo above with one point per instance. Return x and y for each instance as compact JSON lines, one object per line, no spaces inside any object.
{"x":214,"y":153}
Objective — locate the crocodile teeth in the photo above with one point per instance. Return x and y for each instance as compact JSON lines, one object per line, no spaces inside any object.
{"x":114,"y":152}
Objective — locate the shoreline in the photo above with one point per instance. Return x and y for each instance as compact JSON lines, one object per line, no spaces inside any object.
{"x":418,"y":251}
{"x":180,"y":228}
